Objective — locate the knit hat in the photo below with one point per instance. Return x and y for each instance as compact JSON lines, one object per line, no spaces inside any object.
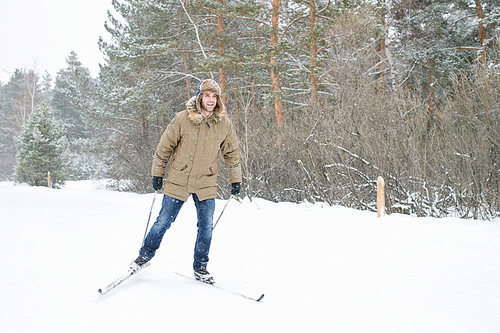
{"x":212,"y":86}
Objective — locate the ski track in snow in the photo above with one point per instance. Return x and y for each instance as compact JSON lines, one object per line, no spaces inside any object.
{"x":322,"y":268}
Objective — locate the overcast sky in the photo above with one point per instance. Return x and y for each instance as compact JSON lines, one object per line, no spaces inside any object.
{"x":41,"y":33}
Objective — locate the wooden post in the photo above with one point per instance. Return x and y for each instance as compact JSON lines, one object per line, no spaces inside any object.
{"x":380,"y":197}
{"x":48,"y":180}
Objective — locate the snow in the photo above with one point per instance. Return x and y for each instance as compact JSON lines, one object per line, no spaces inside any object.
{"x":322,"y":268}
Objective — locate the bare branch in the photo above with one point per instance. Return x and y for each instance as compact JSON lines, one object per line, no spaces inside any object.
{"x":244,"y":38}
{"x":195,"y":28}
{"x":288,"y":26}
{"x":322,"y":10}
{"x":247,"y":19}
{"x":463,"y":18}
{"x":463,"y":48}
{"x":408,"y":76}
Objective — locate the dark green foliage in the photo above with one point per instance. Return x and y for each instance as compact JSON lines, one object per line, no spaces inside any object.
{"x":42,"y":149}
{"x":66,"y":85}
{"x":17,"y":99}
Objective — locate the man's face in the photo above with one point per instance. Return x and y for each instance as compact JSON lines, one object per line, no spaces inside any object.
{"x":208,"y":101}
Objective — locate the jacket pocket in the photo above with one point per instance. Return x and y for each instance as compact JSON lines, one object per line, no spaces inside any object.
{"x":208,"y":178}
{"x":178,"y":165}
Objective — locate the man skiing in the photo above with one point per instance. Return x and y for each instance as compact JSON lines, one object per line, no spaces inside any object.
{"x":192,"y":142}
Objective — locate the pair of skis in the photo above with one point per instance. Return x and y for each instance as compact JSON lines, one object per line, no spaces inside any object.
{"x":131,"y":272}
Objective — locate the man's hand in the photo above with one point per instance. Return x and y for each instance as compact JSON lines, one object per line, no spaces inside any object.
{"x":157,"y":183}
{"x":235,"y":188}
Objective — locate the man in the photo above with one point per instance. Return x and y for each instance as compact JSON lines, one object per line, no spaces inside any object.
{"x":192,"y":142}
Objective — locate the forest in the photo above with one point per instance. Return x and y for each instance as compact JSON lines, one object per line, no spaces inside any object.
{"x":325,"y":97}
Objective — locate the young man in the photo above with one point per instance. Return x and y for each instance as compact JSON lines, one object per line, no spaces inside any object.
{"x":192,"y":142}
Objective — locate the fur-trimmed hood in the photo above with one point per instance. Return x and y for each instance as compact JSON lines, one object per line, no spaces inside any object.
{"x":193,"y":105}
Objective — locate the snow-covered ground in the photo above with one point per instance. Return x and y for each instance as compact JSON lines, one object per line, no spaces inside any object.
{"x":322,"y":268}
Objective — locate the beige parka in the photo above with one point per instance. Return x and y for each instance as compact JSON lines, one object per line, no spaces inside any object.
{"x":192,"y":143}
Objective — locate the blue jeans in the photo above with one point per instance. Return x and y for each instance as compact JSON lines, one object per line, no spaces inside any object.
{"x":169,"y":210}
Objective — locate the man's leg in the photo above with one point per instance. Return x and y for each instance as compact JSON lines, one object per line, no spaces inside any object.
{"x":169,"y":210}
{"x":205,"y":212}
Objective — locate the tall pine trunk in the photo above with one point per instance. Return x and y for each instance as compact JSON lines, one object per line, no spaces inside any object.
{"x":185,"y":57}
{"x":278,"y":103}
{"x":222,"y":69}
{"x":482,"y":31}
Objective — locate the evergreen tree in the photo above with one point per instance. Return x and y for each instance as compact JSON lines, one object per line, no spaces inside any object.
{"x":435,"y":38}
{"x":47,"y":87}
{"x":42,"y":149}
{"x":66,"y":85}
{"x":17,"y":99}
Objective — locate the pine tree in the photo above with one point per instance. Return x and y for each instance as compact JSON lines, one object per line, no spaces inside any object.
{"x":436,"y":38}
{"x":17,"y":99}
{"x":66,"y":85}
{"x":42,"y":149}
{"x":47,"y":86}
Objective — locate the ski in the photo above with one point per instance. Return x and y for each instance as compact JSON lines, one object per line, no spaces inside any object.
{"x":118,"y":281}
{"x":224,"y":289}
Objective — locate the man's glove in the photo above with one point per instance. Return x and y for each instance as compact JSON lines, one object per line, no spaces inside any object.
{"x":157,"y":183}
{"x":235,"y":188}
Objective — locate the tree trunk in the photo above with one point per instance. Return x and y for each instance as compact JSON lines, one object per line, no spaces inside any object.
{"x":222,"y":69}
{"x":278,"y":104}
{"x":185,"y":59}
{"x":482,"y":32}
{"x":31,"y":80}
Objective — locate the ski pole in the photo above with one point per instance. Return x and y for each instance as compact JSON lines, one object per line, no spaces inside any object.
{"x":230,"y":197}
{"x":149,"y":218}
